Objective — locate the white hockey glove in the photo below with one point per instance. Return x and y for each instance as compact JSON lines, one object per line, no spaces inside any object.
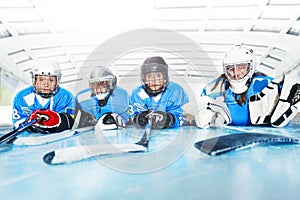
{"x":110,"y":121}
{"x":288,"y":104}
{"x":212,"y":113}
{"x":261,"y":105}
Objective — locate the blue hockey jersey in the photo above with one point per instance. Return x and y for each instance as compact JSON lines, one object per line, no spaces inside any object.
{"x":171,"y":101}
{"x":239,"y":113}
{"x":118,"y":103}
{"x":26,"y":101}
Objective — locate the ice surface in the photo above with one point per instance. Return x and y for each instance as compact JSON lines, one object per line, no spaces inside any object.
{"x":171,"y":169}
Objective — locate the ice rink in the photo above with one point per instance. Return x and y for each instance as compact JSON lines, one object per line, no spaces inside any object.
{"x":171,"y":169}
{"x":193,"y":37}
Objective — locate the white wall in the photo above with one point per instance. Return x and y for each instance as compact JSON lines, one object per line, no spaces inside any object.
{"x":6,"y":113}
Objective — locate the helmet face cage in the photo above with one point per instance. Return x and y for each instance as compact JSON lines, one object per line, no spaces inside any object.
{"x":238,"y":71}
{"x":102,"y":82}
{"x":239,"y":66}
{"x":43,"y":75}
{"x":155,"y":69}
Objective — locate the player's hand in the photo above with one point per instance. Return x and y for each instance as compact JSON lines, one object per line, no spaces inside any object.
{"x":45,"y":118}
{"x":110,"y":121}
{"x":140,"y":120}
{"x":212,"y":113}
{"x":160,"y":119}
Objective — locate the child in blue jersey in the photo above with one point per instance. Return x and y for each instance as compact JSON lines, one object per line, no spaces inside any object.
{"x":44,"y":100}
{"x":242,"y":96}
{"x":104,"y":101}
{"x":157,"y":98}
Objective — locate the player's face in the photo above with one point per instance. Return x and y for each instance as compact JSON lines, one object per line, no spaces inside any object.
{"x":155,"y":80}
{"x":45,"y":83}
{"x":237,"y":71}
{"x":99,"y":87}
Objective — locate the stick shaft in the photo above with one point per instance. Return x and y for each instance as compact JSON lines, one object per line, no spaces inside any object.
{"x":15,"y":132}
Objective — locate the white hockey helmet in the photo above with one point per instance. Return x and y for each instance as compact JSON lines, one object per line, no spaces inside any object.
{"x":234,"y":58}
{"x":101,"y":75}
{"x":46,"y":68}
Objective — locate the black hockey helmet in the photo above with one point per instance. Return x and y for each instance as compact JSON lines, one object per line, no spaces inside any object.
{"x":152,"y":65}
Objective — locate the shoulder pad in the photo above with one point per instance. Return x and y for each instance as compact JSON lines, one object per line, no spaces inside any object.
{"x":83,"y":95}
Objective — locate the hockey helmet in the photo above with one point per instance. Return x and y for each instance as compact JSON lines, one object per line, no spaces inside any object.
{"x":102,"y":82}
{"x":46,"y":68}
{"x":154,"y":65}
{"x":239,"y":66}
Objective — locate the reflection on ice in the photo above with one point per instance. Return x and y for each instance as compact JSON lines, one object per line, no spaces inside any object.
{"x":172,"y":168}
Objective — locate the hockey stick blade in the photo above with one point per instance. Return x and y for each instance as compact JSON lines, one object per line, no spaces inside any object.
{"x":226,"y":143}
{"x":46,"y":139}
{"x":78,"y":153}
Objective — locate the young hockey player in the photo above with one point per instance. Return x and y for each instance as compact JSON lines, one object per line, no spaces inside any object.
{"x":157,"y":98}
{"x":103,"y":102}
{"x":242,"y":96}
{"x":45,"y":100}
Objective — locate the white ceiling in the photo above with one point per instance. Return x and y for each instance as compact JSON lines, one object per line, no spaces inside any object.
{"x":72,"y":31}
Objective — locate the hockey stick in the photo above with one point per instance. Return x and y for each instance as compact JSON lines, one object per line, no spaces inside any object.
{"x":78,"y":153}
{"x":226,"y":143}
{"x":49,"y":138}
{"x":144,"y":141}
{"x":45,"y":139}
{"x":8,"y":136}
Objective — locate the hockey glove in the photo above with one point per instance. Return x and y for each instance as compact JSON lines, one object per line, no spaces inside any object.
{"x":45,"y":118}
{"x":212,"y":113}
{"x":161,"y":119}
{"x":110,"y":121}
{"x":288,"y":104}
{"x":261,"y":105}
{"x":140,"y":120}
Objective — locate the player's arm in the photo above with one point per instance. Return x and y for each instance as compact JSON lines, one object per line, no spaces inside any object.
{"x":276,"y":104}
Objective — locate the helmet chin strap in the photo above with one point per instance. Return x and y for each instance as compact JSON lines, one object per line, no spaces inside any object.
{"x":102,"y":96}
{"x":46,"y":95}
{"x":154,"y":92}
{"x":239,"y":87}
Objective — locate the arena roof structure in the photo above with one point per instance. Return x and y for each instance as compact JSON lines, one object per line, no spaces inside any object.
{"x":70,"y":31}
